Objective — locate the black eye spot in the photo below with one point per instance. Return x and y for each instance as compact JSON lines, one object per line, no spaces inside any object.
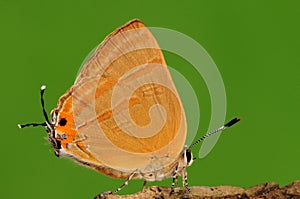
{"x":188,"y":154}
{"x":62,"y":122}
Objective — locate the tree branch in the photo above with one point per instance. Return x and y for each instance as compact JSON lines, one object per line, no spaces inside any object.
{"x":266,"y":190}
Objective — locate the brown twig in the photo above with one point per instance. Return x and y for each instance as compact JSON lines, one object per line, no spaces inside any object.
{"x":266,"y":190}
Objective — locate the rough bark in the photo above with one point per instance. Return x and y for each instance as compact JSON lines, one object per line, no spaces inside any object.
{"x":266,"y":190}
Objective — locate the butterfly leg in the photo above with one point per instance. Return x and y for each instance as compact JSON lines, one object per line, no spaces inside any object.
{"x":185,"y":180}
{"x":101,"y":195}
{"x":144,"y":185}
{"x":125,"y":183}
{"x":175,"y":179}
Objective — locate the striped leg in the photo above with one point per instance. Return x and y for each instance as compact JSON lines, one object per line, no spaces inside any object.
{"x":118,"y":189}
{"x":175,"y":179}
{"x":144,"y":185}
{"x":185,"y":180}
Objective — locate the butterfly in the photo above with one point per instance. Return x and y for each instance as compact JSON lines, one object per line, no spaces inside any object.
{"x":123,"y":116}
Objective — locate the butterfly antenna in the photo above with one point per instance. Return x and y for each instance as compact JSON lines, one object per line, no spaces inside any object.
{"x":43,"y":104}
{"x":225,"y":126}
{"x":44,"y":112}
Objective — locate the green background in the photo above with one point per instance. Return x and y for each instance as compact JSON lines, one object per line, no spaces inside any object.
{"x":255,"y":45}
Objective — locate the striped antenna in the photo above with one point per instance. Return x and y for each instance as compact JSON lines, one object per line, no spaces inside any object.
{"x":225,"y":126}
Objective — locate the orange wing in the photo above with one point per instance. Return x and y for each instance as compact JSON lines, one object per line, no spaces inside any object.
{"x":124,"y":111}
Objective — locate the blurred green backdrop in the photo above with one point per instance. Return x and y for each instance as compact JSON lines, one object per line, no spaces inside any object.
{"x":255,"y":45}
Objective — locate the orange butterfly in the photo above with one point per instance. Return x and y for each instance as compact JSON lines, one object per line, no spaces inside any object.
{"x":123,"y":116}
